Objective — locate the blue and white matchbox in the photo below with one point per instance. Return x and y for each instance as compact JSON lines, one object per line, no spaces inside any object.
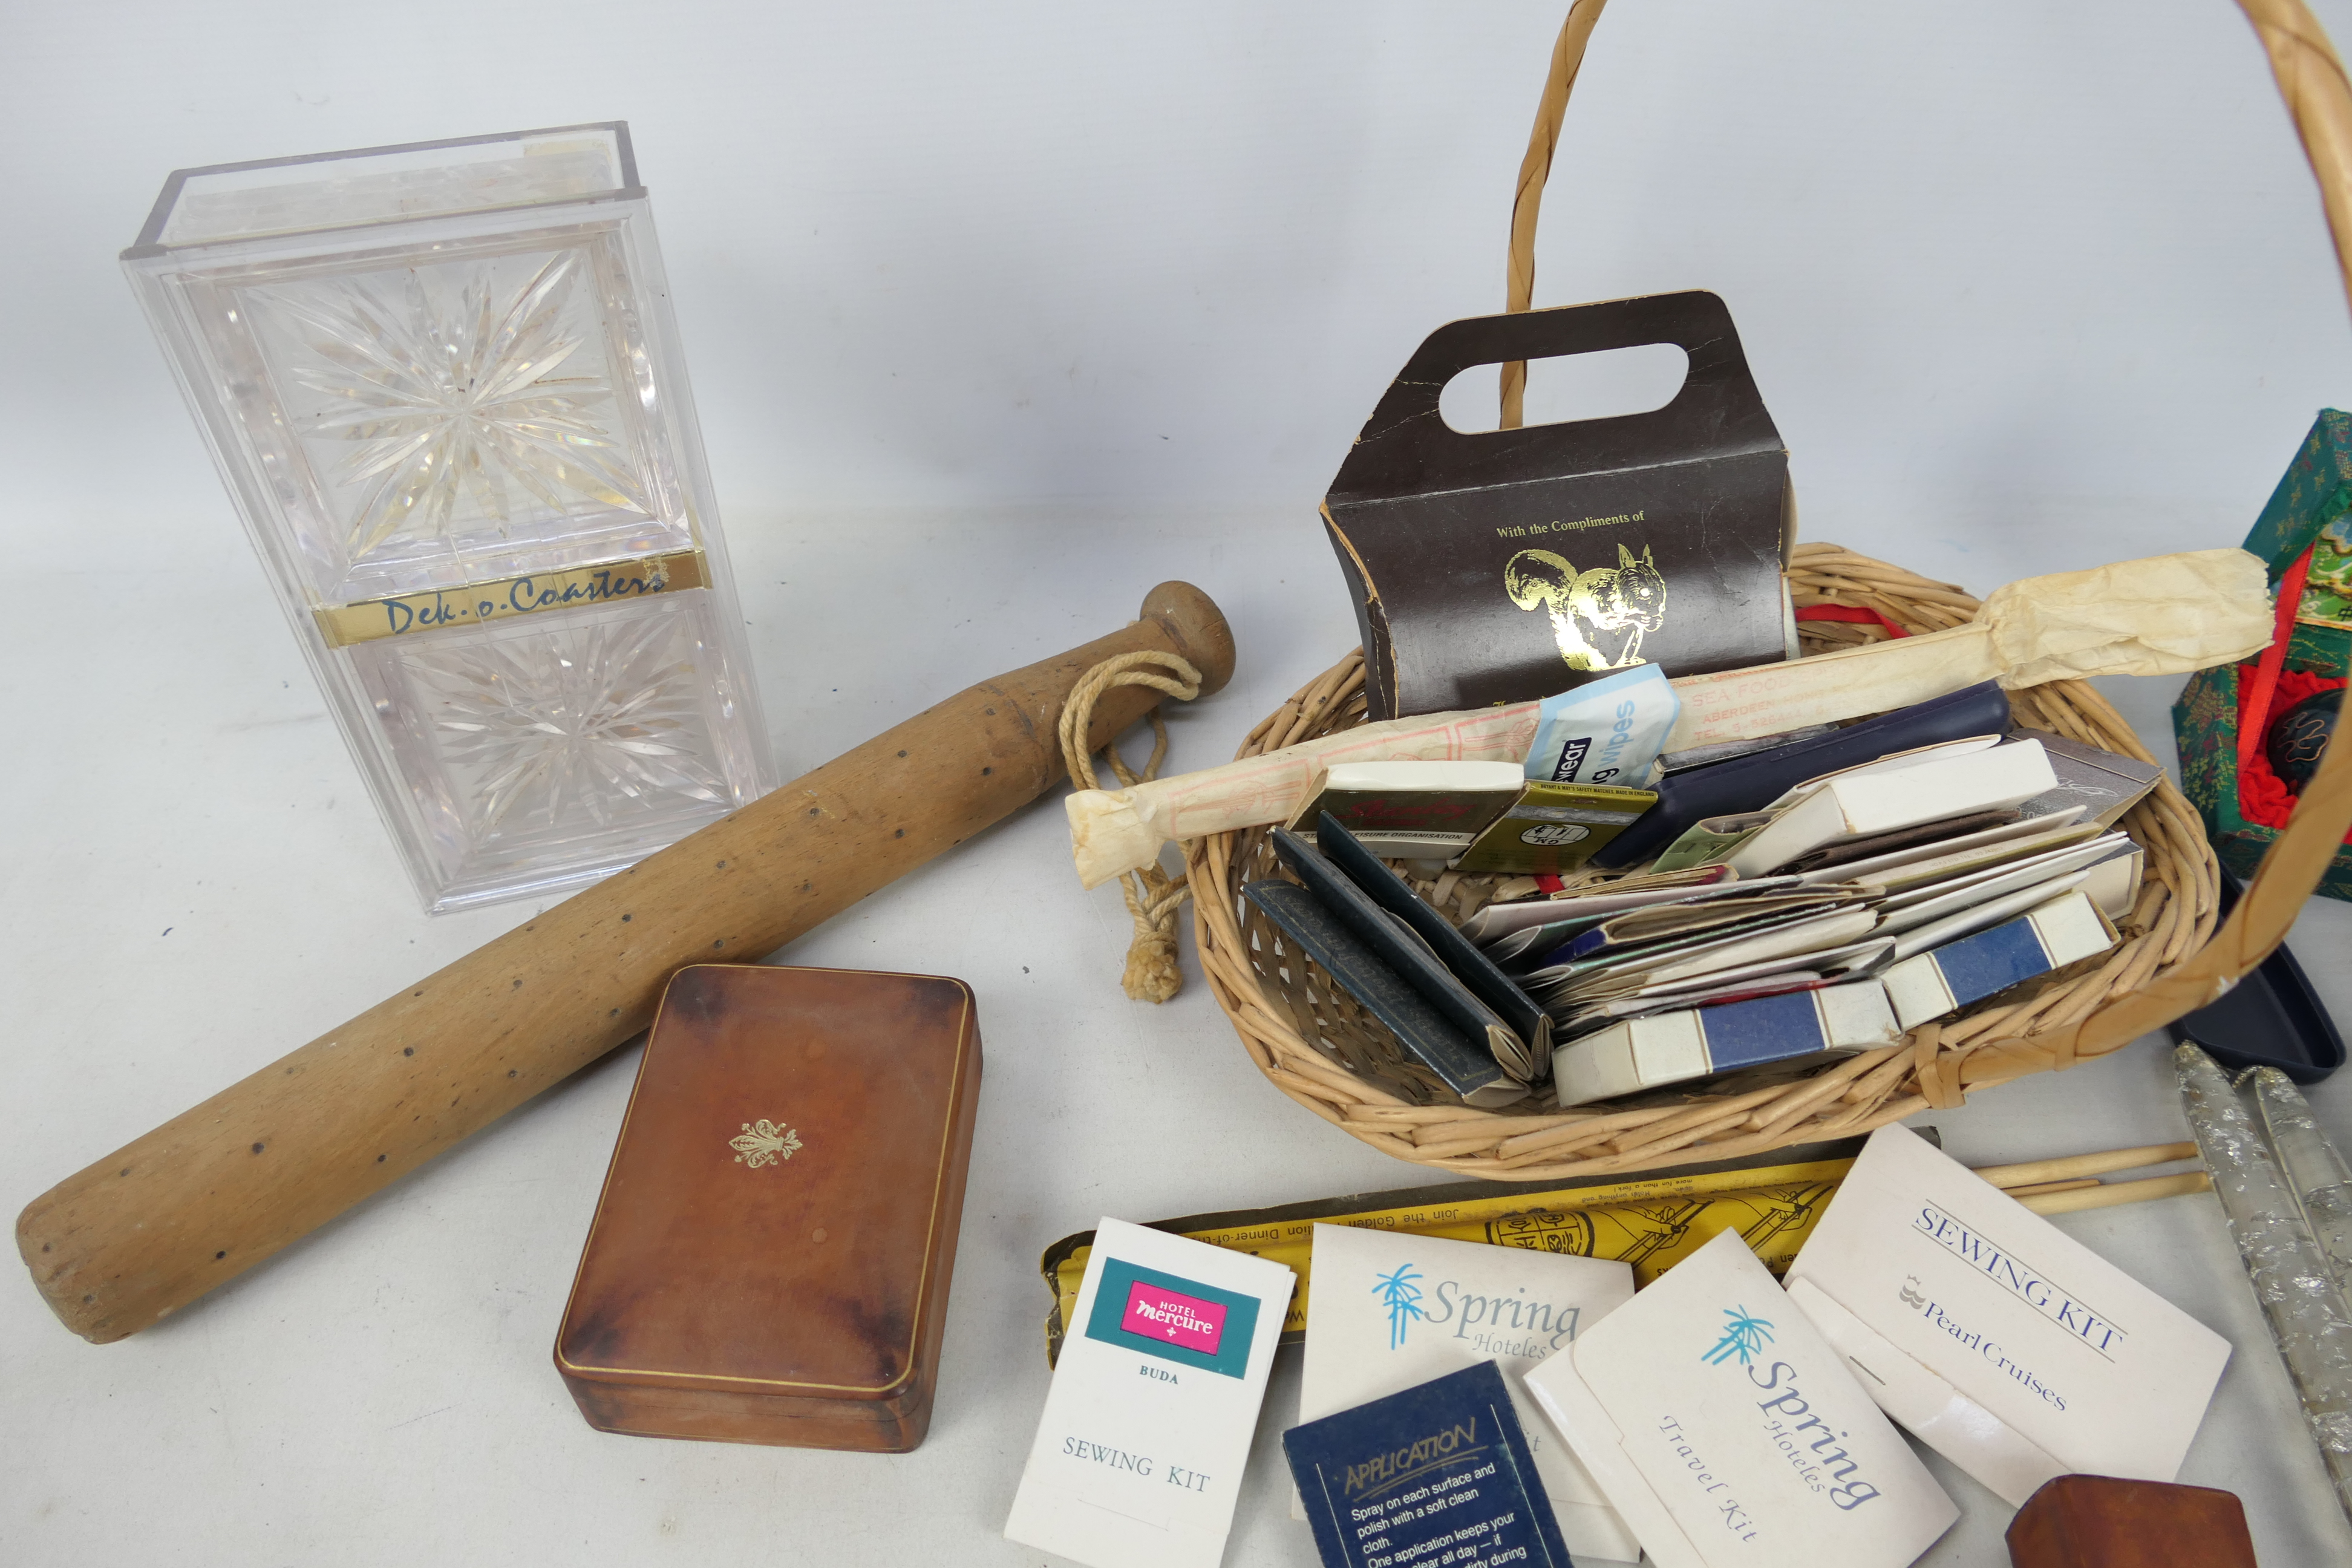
{"x":2046,"y":937}
{"x":1438,"y":1473}
{"x":1674,"y":1048}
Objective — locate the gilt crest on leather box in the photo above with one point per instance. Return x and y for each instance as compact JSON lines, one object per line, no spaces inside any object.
{"x":762,"y":1143}
{"x":1509,"y":565}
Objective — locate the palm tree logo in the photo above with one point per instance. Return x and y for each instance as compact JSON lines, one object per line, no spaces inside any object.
{"x":1402,"y":1297}
{"x":1743,"y":1336}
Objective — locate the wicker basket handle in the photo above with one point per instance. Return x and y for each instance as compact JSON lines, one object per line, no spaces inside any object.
{"x":1535,"y":170}
{"x":2319,"y":97}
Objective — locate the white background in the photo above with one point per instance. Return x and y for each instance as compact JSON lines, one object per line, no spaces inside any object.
{"x":997,"y":316}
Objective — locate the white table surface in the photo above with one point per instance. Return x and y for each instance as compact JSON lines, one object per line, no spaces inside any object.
{"x":1042,"y":307}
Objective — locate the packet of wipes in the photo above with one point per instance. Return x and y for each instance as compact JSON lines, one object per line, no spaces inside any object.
{"x":1606,"y":731}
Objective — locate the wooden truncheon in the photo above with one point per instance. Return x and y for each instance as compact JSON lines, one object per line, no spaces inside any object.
{"x":218,"y":1189}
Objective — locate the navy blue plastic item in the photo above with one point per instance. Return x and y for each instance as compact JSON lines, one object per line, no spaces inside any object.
{"x":2272,"y":1018}
{"x":1753,"y":782}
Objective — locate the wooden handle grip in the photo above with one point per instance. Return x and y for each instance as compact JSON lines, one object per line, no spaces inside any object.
{"x":211,"y":1192}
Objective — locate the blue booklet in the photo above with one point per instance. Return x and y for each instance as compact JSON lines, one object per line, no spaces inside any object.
{"x":1439,"y":1473}
{"x":1753,"y":782}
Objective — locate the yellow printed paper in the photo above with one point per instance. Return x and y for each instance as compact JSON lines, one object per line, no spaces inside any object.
{"x":1651,"y":1223}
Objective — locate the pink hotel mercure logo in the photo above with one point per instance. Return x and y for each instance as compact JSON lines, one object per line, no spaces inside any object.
{"x":1173,"y":1318}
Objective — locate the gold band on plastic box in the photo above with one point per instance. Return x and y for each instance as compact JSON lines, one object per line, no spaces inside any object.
{"x":502,"y":598}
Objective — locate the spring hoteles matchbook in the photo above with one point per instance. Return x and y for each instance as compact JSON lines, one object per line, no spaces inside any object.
{"x":1901,"y":792}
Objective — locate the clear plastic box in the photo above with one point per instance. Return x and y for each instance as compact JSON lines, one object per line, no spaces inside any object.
{"x":444,"y":391}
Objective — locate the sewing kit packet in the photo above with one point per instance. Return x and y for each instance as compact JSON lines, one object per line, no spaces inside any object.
{"x":1138,"y":1458}
{"x":2005,"y":1345}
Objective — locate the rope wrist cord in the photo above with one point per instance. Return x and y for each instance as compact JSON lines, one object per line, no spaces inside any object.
{"x":1152,"y":896}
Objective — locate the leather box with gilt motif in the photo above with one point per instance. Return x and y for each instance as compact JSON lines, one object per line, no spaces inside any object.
{"x":769,"y":1261}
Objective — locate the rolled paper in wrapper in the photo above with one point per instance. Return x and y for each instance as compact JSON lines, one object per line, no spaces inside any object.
{"x":2165,"y":615}
{"x":2160,"y":615}
{"x":1114,"y":831}
{"x":2300,"y":1302}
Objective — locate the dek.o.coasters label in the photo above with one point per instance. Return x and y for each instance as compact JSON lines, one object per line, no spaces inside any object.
{"x":404,"y":614}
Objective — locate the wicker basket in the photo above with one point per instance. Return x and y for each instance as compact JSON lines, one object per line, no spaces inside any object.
{"x":1324,"y":1052}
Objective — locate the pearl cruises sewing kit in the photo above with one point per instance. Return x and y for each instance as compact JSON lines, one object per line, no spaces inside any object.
{"x":2004,"y":1343}
{"x":443,"y":388}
